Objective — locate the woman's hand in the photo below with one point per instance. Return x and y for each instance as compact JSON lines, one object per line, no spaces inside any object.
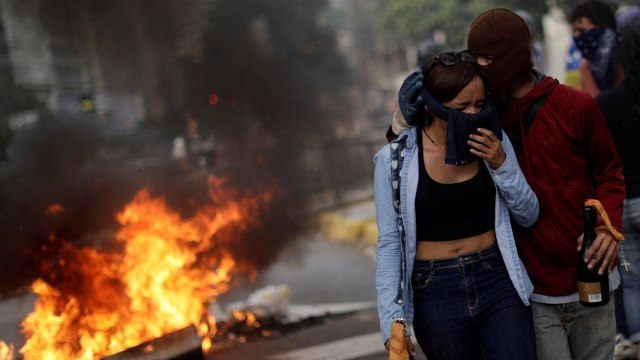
{"x":408,"y":343}
{"x":487,"y":146}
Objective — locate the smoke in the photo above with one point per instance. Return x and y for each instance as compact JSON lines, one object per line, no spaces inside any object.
{"x":56,"y":162}
{"x":278,"y":88}
{"x":279,"y":83}
{"x":71,"y":163}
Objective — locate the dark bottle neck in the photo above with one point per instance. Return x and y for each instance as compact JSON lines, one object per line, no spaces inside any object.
{"x":589,"y":225}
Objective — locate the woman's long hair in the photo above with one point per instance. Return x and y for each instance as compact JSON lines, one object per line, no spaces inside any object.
{"x":444,"y":82}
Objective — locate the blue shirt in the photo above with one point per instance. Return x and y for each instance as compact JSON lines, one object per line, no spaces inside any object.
{"x":514,"y":199}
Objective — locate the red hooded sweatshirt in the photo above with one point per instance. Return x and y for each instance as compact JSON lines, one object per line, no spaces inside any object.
{"x":568,"y":156}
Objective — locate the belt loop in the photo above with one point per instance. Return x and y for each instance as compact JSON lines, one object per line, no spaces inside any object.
{"x":481,"y":255}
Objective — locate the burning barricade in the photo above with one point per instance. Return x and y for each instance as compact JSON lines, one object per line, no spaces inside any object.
{"x":6,"y":351}
{"x":263,"y":314}
{"x":94,"y":303}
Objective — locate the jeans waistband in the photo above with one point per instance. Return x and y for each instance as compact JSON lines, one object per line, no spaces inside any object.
{"x":464,"y":259}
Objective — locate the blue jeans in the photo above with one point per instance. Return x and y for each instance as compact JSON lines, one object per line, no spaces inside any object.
{"x":631,"y":277}
{"x":467,"y":308}
{"x":572,"y":331}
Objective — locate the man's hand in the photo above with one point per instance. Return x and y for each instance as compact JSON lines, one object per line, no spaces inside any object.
{"x":603,"y":246}
{"x":409,"y":99}
{"x":408,"y":343}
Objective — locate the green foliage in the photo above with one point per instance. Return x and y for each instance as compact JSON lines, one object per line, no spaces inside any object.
{"x":416,"y":20}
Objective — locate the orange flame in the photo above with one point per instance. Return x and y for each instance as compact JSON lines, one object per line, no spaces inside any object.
{"x":6,"y":351}
{"x":246,"y":316}
{"x":168,"y":270}
{"x":54,"y":209}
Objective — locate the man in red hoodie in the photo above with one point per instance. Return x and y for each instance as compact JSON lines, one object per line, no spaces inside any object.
{"x":567,"y":156}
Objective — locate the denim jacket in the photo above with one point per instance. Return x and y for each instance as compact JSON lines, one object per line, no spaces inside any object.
{"x":514,"y":200}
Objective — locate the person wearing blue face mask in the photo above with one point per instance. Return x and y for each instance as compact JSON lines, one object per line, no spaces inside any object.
{"x":446,"y":190}
{"x":594,"y":33}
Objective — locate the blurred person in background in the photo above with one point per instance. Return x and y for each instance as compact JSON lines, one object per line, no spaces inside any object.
{"x":446,"y":191}
{"x":621,"y":108}
{"x":594,"y":33}
{"x":627,"y":15}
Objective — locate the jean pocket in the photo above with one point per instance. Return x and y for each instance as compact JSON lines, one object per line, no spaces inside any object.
{"x":494,"y":262}
{"x":421,"y":280}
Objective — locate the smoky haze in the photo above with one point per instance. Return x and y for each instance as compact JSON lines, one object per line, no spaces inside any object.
{"x":268,"y":85}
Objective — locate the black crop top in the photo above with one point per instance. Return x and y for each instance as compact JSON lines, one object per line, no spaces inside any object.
{"x":453,"y":211}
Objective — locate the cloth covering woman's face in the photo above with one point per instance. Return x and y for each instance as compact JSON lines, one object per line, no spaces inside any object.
{"x":464,"y":114}
{"x":470,"y":99}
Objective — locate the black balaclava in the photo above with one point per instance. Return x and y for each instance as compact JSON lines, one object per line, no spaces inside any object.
{"x":503,"y":35}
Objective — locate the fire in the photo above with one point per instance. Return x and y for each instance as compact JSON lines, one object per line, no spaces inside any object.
{"x":54,"y":209}
{"x":6,"y":351}
{"x":246,"y":316}
{"x":169,"y":268}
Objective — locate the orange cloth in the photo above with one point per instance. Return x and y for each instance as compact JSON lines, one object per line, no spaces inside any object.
{"x":604,"y":218}
{"x":397,"y":348}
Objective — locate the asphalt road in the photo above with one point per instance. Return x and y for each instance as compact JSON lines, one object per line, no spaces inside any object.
{"x":351,"y":336}
{"x":323,"y":274}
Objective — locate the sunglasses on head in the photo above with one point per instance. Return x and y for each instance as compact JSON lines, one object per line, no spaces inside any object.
{"x":452,"y":58}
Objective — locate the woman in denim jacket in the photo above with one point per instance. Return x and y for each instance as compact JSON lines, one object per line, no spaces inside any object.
{"x":446,"y":191}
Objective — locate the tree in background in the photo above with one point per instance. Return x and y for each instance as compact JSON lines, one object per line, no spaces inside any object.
{"x":417,"y":20}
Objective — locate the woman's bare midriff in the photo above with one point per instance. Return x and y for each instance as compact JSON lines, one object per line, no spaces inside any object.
{"x":438,"y":250}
